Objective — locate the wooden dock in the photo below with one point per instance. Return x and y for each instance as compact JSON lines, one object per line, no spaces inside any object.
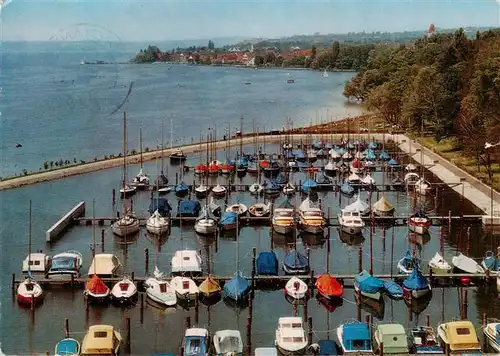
{"x":63,"y":223}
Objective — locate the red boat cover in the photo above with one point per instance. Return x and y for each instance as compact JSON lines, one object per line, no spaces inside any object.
{"x":201,"y":167}
{"x":264,"y":164}
{"x":96,"y":286}
{"x":329,"y":286}
{"x":357,"y":164}
{"x":213,"y":168}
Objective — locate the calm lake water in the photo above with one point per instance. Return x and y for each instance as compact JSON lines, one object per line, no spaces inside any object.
{"x":59,"y":109}
{"x":162,"y":330}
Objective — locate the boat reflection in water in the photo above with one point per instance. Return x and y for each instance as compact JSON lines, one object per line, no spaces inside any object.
{"x":157,"y":240}
{"x":312,"y":240}
{"x":350,"y":239}
{"x":374,"y":307}
{"x":419,"y":239}
{"x":280,"y":240}
{"x":329,"y":304}
{"x":127,"y":240}
{"x":418,"y":305}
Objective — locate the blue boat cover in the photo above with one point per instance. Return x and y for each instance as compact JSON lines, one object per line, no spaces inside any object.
{"x":228,"y":161}
{"x":304,"y":165}
{"x":308,"y":185}
{"x":295,"y":260}
{"x":346,"y":188}
{"x":497,"y":338}
{"x":267,"y":263}
{"x":64,"y":263}
{"x":328,"y":347}
{"x":229,"y":218}
{"x":370,"y":155}
{"x":317,"y":144}
{"x":67,"y":347}
{"x":416,"y":280}
{"x":393,"y":162}
{"x":490,"y":261}
{"x":355,"y":332}
{"x":271,"y":186}
{"x":393,"y":289}
{"x":243,"y":161}
{"x":189,"y":207}
{"x":161,"y":204}
{"x":372,"y":145}
{"x":322,"y":179}
{"x":299,"y":154}
{"x":237,"y":287}
{"x":408,"y":260}
{"x":281,"y":179}
{"x":384,"y":155}
{"x":194,"y":346}
{"x":340,"y":151}
{"x":367,"y":283}
{"x":181,"y":188}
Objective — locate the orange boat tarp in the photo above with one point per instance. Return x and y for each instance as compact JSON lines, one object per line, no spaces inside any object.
{"x":329,"y":286}
{"x":96,"y":285}
{"x":209,"y":286}
{"x":264,"y":164}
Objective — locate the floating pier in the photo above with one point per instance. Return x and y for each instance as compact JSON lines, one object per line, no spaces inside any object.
{"x":63,"y":223}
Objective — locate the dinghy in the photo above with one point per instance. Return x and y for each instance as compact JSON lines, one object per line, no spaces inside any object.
{"x":416,"y":285}
{"x":67,"y":347}
{"x":267,"y":263}
{"x":205,"y":224}
{"x":124,"y":292}
{"x":238,"y":208}
{"x":228,"y":342}
{"x":439,"y":265}
{"x":96,"y":291}
{"x":29,"y":292}
{"x":260,"y":210}
{"x":329,"y":287}
{"x":347,"y":189}
{"x":490,"y":262}
{"x":492,"y":333}
{"x":159,"y":290}
{"x":383,"y":208}
{"x":290,"y":336}
{"x":466,"y":264}
{"x":407,"y":263}
{"x":357,"y":167}
{"x":296,"y":288}
{"x":419,"y":223}
{"x":256,"y":189}
{"x":368,"y":286}
{"x":295,"y":263}
{"x":196,"y":342}
{"x":209,"y":289}
{"x":423,"y":341}
{"x":393,"y":290}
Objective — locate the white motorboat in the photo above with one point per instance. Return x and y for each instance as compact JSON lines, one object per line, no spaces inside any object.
{"x":177,"y":156}
{"x":311,"y":217}
{"x":165,"y":190}
{"x":350,"y":221}
{"x":331,"y":168}
{"x":439,"y":265}
{"x":205,"y":224}
{"x":219,"y":190}
{"x":37,"y":263}
{"x":358,"y":205}
{"x":228,"y":342}
{"x":186,"y":261}
{"x":347,"y":156}
{"x":359,"y":155}
{"x":296,"y":288}
{"x":410,"y":167}
{"x":239,"y":208}
{"x":289,"y":189}
{"x":157,"y":224}
{"x":466,"y":264}
{"x":160,"y":290}
{"x":290,"y":336}
{"x":29,"y":292}
{"x":422,"y":186}
{"x":201,"y":190}
{"x":66,"y":264}
{"x":184,"y":287}
{"x":124,"y":292}
{"x":284,"y":220}
{"x":334,"y":154}
{"x":125,"y":226}
{"x":260,"y":210}
{"x":256,"y":189}
{"x":492,"y":333}
{"x":411,"y":178}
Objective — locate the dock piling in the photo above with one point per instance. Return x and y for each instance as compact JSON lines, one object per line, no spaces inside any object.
{"x":466,"y":304}
{"x":13,"y":283}
{"x":142,"y":308}
{"x":381,"y":351}
{"x":249,"y":326}
{"x":66,"y":328}
{"x":188,"y":322}
{"x":102,"y":240}
{"x":146,"y":260}
{"x":196,"y":308}
{"x":114,"y":197}
{"x":310,"y":328}
{"x":360,"y":259}
{"x":252,"y":286}
{"x":127,"y":335}
{"x":311,"y":280}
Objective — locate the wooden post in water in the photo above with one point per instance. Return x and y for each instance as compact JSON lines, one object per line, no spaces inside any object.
{"x":252,"y":285}
{"x":13,"y":283}
{"x":371,"y":244}
{"x":381,"y":347}
{"x":311,"y":281}
{"x":114,"y":196}
{"x":410,"y":312}
{"x":188,"y":322}
{"x":367,"y":321}
{"x":328,"y":244}
{"x":127,"y":335}
{"x":142,"y":308}
{"x":196,"y":308}
{"x":66,"y":328}
{"x":427,"y":320}
{"x":102,"y":240}
{"x":465,"y":303}
{"x":449,"y":221}
{"x":146,"y":261}
{"x":310,"y":328}
{"x":360,"y":259}
{"x":249,"y":326}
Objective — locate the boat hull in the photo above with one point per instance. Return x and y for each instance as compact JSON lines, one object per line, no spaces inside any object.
{"x":28,"y":300}
{"x":291,"y":270}
{"x":352,"y":230}
{"x":374,"y":296}
{"x":125,"y":230}
{"x":492,"y":342}
{"x":284,"y":351}
{"x":205,"y":229}
{"x":312,"y":229}
{"x":419,"y":227}
{"x":124,"y":301}
{"x":283,"y":229}
{"x":157,"y":229}
{"x":415,"y":293}
{"x":97,"y":298}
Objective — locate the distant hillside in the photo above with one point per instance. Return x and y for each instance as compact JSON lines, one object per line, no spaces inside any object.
{"x":325,"y":40}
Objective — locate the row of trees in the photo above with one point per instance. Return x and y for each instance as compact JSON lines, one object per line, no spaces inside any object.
{"x":447,"y":83}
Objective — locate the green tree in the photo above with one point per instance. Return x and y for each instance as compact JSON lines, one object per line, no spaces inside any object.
{"x":313,"y":51}
{"x":335,"y":53}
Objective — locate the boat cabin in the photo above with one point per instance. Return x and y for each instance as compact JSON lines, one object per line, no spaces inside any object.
{"x":186,"y":261}
{"x":424,"y":340}
{"x":67,"y":263}
{"x":37,"y":262}
{"x":104,"y":265}
{"x":394,"y":338}
{"x":459,"y":336}
{"x":101,"y":340}
{"x":228,"y":341}
{"x":356,"y":337}
{"x":196,"y":342}
{"x":290,"y":332}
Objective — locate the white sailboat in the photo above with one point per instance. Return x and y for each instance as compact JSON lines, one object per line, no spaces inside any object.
{"x":325,"y":74}
{"x":124,"y":292}
{"x":128,"y":224}
{"x":157,"y":224}
{"x":205,"y":224}
{"x":141,"y":180}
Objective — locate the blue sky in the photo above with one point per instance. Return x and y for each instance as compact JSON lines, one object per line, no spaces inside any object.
{"x":38,"y":20}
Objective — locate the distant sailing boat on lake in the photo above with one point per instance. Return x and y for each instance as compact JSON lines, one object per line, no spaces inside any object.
{"x":325,"y":74}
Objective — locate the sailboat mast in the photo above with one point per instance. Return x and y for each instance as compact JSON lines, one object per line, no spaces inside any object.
{"x":140,"y":144}
{"x":93,"y":228}
{"x":29,"y":237}
{"x":171,"y":133}
{"x":162,"y":147}
{"x":124,"y":157}
{"x":241,"y":136}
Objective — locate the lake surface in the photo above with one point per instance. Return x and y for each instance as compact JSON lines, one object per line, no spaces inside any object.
{"x":59,"y":109}
{"x":162,"y":330}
